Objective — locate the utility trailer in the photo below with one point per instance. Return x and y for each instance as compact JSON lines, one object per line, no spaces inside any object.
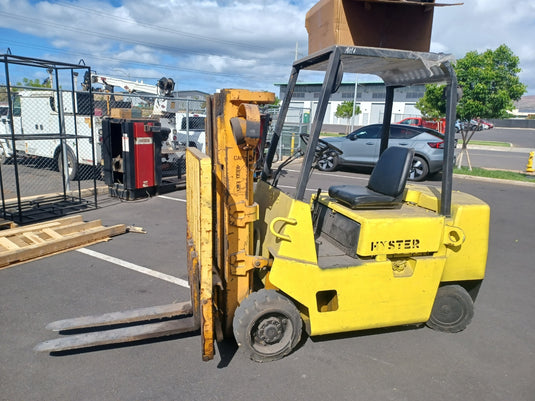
{"x":264,"y":264}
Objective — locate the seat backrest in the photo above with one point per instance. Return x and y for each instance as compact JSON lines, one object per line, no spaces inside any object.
{"x":391,"y":172}
{"x":386,"y":184}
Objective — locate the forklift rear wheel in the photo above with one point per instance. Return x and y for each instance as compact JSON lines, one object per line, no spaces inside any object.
{"x":267,"y":326}
{"x":452,"y":311}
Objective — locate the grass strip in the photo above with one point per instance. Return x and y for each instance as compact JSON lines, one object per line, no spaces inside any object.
{"x":487,"y":143}
{"x":499,"y":174}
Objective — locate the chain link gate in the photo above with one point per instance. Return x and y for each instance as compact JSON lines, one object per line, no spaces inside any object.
{"x":297,"y":123}
{"x":48,"y":140}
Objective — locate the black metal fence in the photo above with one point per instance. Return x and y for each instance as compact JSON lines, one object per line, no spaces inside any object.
{"x":297,"y":123}
{"x":47,"y":140}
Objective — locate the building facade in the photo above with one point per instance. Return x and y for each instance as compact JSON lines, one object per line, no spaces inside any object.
{"x":370,"y":97}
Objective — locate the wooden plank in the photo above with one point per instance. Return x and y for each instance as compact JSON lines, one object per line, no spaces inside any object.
{"x":7,"y":224}
{"x":102,"y":189}
{"x":56,"y":245}
{"x":50,"y":232}
{"x":38,"y":240}
{"x":40,"y":226}
{"x":9,"y":245}
{"x":77,"y":227}
{"x":19,"y":241}
{"x":33,"y":237}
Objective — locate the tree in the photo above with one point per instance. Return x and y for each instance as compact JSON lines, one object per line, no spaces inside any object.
{"x":489,"y":83}
{"x":345,"y":110}
{"x":34,"y":83}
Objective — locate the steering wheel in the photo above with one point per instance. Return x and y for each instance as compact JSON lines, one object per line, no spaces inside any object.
{"x":322,"y":148}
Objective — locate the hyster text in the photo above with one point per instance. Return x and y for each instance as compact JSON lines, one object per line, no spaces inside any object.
{"x":397,"y":245}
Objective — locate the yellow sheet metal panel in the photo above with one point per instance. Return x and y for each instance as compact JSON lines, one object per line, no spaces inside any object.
{"x":368,"y":295}
{"x":425,"y":197}
{"x":285,"y":225}
{"x":199,"y":198}
{"x":401,"y":235}
{"x":468,"y":260}
{"x":406,"y":230}
{"x":199,"y":235}
{"x":238,"y":96}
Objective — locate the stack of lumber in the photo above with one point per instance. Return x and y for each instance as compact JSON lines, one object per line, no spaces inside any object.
{"x":34,"y":241}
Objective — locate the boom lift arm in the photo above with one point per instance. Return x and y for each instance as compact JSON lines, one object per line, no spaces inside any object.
{"x":164,"y":87}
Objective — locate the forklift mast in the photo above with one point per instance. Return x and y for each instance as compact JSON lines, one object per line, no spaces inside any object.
{"x":221,"y":211}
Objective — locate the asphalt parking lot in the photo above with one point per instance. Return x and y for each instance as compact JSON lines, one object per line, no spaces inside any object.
{"x":493,"y":359}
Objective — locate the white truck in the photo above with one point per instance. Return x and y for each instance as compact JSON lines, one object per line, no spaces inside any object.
{"x":36,"y":127}
{"x":190,"y":131}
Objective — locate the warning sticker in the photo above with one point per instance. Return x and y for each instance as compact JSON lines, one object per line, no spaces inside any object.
{"x":143,"y":141}
{"x":126,"y":146}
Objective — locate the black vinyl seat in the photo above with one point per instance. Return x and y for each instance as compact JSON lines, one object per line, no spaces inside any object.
{"x":386,"y":184}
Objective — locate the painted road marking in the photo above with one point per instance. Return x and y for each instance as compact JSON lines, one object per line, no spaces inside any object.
{"x":132,"y":266}
{"x":171,"y":198}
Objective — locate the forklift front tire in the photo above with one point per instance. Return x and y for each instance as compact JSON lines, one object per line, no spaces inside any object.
{"x":267,"y":326}
{"x":452,"y":311}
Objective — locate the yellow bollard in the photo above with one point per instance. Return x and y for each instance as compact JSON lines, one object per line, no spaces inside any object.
{"x":529,"y":166}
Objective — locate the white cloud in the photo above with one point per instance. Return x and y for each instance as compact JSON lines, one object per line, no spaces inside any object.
{"x":250,"y":43}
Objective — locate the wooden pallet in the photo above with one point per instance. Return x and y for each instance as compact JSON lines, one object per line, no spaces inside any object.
{"x":7,"y":224}
{"x":22,"y":244}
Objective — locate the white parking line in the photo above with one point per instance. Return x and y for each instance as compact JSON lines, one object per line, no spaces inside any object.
{"x":171,"y":198}
{"x":132,"y":266}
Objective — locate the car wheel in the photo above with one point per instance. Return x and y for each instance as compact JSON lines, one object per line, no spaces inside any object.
{"x":419,"y":169}
{"x":328,"y":162}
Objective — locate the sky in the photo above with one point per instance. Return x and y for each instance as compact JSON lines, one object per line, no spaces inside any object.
{"x":212,"y":44}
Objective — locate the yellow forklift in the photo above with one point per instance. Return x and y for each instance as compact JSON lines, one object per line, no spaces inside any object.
{"x":264,"y":264}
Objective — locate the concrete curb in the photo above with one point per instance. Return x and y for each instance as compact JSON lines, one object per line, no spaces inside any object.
{"x":497,"y":149}
{"x":495,"y":180}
